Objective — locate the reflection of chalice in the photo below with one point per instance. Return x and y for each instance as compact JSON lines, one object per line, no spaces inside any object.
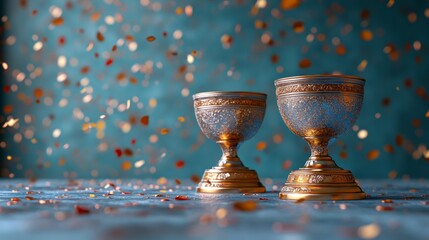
{"x":318,"y":108}
{"x":230,"y":118}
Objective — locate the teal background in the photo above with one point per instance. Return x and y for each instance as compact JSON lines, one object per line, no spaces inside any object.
{"x":395,"y":89}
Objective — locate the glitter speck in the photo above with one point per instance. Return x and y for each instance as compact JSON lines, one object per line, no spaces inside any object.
{"x":10,"y":123}
{"x":177,"y":34}
{"x":261,"y":3}
{"x":56,"y":133}
{"x":362,"y":134}
{"x":369,"y":231}
{"x":38,"y":46}
{"x":190,"y":58}
{"x":62,"y":61}
{"x":139,"y":163}
{"x":4,"y":65}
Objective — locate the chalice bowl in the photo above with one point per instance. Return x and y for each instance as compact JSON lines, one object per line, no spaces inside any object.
{"x":318,"y":108}
{"x":230,"y":118}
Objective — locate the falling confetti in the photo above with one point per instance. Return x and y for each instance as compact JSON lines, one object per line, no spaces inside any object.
{"x":289,"y":4}
{"x":366,"y":35}
{"x":373,"y":154}
{"x":180,"y":164}
{"x":80,"y":210}
{"x":151,"y":38}
{"x":181,"y":198}
{"x":261,"y":146}
{"x":57,"y":21}
{"x":100,"y":37}
{"x":305,"y":63}
{"x":369,"y":231}
{"x":126,"y":165}
{"x":245,"y":206}
{"x":298,"y":27}
{"x":10,"y":123}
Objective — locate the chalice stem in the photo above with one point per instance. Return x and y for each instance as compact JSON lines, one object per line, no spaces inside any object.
{"x":319,"y":153}
{"x":229,"y":157}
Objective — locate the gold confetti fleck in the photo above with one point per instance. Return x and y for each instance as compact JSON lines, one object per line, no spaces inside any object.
{"x":260,"y":146}
{"x":179,"y":10}
{"x":151,"y":38}
{"x":412,"y":17}
{"x":139,"y":163}
{"x":387,"y":201}
{"x":287,"y":164}
{"x":100,"y":37}
{"x":373,"y":154}
{"x":366,"y":35}
{"x":195,"y":179}
{"x":95,"y":16}
{"x":162,"y":181}
{"x":4,"y":65}
{"x":341,"y":49}
{"x":362,"y":65}
{"x":298,"y":26}
{"x":29,"y":198}
{"x":304,"y":63}
{"x":10,"y":123}
{"x":126,"y":165}
{"x":399,"y":139}
{"x":362,"y":134}
{"x":38,"y":46}
{"x":369,"y":231}
{"x":393,"y":174}
{"x":152,"y":103}
{"x":260,"y":24}
{"x":164,"y":131}
{"x":188,"y":10}
{"x":289,"y":4}
{"x":7,"y":109}
{"x":274,"y":58}
{"x":221,"y":213}
{"x":261,"y":3}
{"x":390,"y":3}
{"x":245,"y":206}
{"x":277,"y":138}
{"x":388,"y":148}
{"x":144,"y":120}
{"x":57,"y":21}
{"x":380,"y":208}
{"x":226,"y":40}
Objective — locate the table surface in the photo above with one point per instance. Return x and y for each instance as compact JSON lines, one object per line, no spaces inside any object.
{"x":148,"y":209}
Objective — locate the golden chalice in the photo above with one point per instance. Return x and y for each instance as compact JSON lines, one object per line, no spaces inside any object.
{"x":230,"y":118}
{"x":318,"y":108}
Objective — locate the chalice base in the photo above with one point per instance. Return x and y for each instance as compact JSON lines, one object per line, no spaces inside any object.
{"x":230,"y":180}
{"x":321,"y":184}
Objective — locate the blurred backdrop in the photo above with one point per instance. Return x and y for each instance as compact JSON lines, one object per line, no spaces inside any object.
{"x":104,"y":88}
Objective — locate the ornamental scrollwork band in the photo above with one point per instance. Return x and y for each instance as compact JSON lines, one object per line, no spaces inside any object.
{"x":229,"y":101}
{"x":298,"y":88}
{"x":321,"y":178}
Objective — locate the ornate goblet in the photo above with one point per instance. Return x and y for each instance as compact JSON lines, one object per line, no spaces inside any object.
{"x":318,"y":108}
{"x":230,"y":118}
